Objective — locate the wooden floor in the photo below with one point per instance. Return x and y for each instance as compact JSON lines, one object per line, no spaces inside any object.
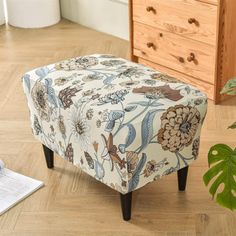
{"x":72,"y":203}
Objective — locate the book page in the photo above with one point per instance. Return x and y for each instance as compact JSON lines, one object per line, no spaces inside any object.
{"x":14,"y":187}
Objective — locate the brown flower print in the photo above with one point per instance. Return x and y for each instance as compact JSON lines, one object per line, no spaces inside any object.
{"x":132,"y":161}
{"x":198,"y":101}
{"x":89,"y":114}
{"x":40,"y":100}
{"x":110,"y":152}
{"x":132,"y":72}
{"x":69,"y":154}
{"x":78,"y":63}
{"x":89,"y":160}
{"x":111,"y":63}
{"x":65,"y":96}
{"x":93,"y":77}
{"x":52,"y":128}
{"x":150,"y":168}
{"x":165,"y":78}
{"x":61,"y":125}
{"x":123,"y":183}
{"x":195,"y":148}
{"x":95,"y":146}
{"x":87,"y":93}
{"x":61,"y":81}
{"x":98,"y":123}
{"x":159,"y":92}
{"x":129,"y":84}
{"x":95,"y":96}
{"x":179,"y":125}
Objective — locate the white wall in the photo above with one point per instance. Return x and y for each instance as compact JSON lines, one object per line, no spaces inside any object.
{"x":2,"y":18}
{"x":109,"y":16}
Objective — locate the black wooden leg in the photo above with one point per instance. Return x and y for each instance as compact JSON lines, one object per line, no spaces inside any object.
{"x":49,"y":157}
{"x":126,"y":204}
{"x":182,"y":178}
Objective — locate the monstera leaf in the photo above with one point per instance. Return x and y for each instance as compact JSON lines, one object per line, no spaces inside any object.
{"x":233,"y":126}
{"x":223,"y":172}
{"x":230,"y":87}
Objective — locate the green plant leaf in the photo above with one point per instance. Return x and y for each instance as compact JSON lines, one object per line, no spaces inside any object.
{"x":230,"y":87}
{"x":233,"y":126}
{"x":224,"y":169}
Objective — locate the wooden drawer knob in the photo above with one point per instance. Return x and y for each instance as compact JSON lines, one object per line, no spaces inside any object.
{"x":149,"y":9}
{"x":191,"y":57}
{"x":193,"y":21}
{"x":181,"y":59}
{"x":150,"y":45}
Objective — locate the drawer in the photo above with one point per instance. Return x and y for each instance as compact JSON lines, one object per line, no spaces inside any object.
{"x":203,"y":86}
{"x":173,"y":51}
{"x":189,"y":18}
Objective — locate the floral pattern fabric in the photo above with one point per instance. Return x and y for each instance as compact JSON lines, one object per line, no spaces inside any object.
{"x":122,"y":123}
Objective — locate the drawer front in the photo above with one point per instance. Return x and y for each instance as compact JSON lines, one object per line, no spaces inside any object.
{"x":188,"y":18}
{"x":184,"y":55}
{"x":203,"y":86}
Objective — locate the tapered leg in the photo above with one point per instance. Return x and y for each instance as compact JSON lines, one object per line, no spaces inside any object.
{"x":126,"y":204}
{"x":182,"y":178}
{"x":49,"y":157}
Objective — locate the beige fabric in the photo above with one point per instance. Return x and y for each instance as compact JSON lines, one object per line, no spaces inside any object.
{"x":122,"y":123}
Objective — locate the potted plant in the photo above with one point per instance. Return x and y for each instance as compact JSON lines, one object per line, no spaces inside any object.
{"x":222,"y":166}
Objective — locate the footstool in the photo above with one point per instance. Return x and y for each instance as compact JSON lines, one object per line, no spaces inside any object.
{"x":124,"y":124}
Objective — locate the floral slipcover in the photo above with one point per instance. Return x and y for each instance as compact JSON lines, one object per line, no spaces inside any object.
{"x":122,"y":123}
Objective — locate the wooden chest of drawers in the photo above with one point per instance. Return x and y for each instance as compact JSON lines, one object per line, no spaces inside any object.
{"x":193,"y":40}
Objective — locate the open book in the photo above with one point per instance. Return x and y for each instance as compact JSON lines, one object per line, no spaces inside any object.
{"x":14,"y":187}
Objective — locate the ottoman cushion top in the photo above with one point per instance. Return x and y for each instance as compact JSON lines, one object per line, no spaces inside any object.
{"x":121,"y":122}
